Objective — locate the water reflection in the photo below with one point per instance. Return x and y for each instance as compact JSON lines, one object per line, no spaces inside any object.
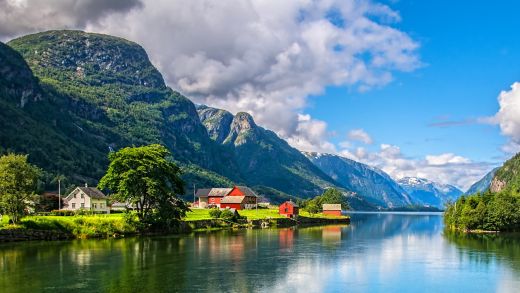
{"x":377,"y":252}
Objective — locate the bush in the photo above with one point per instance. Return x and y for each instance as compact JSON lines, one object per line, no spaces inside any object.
{"x":227,"y":215}
{"x":215,"y":213}
{"x":62,"y":213}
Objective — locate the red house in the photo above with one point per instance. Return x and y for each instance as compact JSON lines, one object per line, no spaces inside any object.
{"x":216,"y":195}
{"x":332,"y":209}
{"x":240,"y":198}
{"x":289,"y":209}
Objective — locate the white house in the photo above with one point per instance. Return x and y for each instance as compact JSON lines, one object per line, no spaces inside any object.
{"x":87,"y":198}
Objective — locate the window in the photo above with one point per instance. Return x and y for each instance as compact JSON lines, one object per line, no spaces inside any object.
{"x":100,"y":205}
{"x":82,"y":205}
{"x":95,"y":205}
{"x":73,"y":205}
{"x":82,"y":196}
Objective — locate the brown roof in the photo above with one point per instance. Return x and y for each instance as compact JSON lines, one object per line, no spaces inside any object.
{"x":332,"y":207}
{"x":233,"y":199}
{"x":203,"y":192}
{"x":219,"y":192}
{"x":247,"y":191}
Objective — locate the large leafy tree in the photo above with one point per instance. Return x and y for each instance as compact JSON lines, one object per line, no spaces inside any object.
{"x":18,"y":183}
{"x":147,"y":178}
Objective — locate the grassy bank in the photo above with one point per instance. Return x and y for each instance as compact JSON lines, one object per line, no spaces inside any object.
{"x":102,"y":226}
{"x":88,"y":226}
{"x":203,"y":214}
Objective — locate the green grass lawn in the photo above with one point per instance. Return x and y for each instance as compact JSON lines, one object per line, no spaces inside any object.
{"x":80,"y":226}
{"x":203,"y":214}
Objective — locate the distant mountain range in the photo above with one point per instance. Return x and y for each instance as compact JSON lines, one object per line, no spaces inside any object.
{"x":426,"y":192}
{"x":370,"y":183}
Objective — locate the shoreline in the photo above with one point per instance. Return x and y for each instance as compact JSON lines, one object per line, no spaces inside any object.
{"x":184,"y":227}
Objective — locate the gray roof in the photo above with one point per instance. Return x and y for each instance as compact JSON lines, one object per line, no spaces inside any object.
{"x":233,"y":199}
{"x":219,"y":192}
{"x":332,"y":207}
{"x":203,"y":192}
{"x":292,"y":203}
{"x":247,"y":191}
{"x":91,"y":192}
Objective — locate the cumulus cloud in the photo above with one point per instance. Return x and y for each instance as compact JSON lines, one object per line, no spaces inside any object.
{"x":508,"y":117}
{"x":444,"y":168}
{"x":360,"y":135}
{"x":28,"y":16}
{"x":267,"y":57}
{"x":261,"y":56}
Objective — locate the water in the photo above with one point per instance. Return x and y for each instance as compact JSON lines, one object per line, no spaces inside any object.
{"x":376,"y":253}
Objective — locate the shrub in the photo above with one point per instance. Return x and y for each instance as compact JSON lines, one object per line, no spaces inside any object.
{"x":215,"y":213}
{"x":227,"y":215}
{"x":62,"y":213}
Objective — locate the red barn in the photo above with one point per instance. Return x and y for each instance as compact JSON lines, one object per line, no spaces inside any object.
{"x":216,"y":195}
{"x":239,"y":197}
{"x":332,"y":209}
{"x":289,"y":209}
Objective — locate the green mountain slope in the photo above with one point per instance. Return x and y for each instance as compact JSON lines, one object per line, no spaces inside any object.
{"x":507,"y":178}
{"x":108,"y":95}
{"x":262,"y":157}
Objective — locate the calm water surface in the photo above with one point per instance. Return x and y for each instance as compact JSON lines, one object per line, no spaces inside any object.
{"x":376,"y":253}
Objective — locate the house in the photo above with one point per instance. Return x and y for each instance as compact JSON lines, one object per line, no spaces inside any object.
{"x":87,"y":198}
{"x":240,"y":198}
{"x":216,"y":195}
{"x":202,"y":197}
{"x":332,"y":209}
{"x":289,"y":209}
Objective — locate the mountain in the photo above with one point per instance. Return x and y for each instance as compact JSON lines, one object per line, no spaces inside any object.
{"x":371,"y":184}
{"x":262,"y":157}
{"x":483,"y":184}
{"x":99,"y":93}
{"x":425,"y":192}
{"x":507,"y":178}
{"x":69,"y":97}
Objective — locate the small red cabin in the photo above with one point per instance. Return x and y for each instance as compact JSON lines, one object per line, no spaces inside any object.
{"x":332,"y":209}
{"x":289,"y":209}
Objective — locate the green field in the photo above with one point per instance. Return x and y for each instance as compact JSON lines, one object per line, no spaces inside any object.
{"x":80,"y":226}
{"x":203,"y":214}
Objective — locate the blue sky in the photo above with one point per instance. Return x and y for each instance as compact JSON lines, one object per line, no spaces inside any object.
{"x":470,"y":54}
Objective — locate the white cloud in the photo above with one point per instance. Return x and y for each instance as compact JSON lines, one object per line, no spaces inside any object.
{"x":444,"y":168}
{"x":444,"y":159}
{"x":29,"y":16}
{"x":264,"y":57}
{"x":508,"y":117}
{"x":360,"y":135}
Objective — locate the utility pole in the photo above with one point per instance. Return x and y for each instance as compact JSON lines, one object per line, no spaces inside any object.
{"x":59,"y":194}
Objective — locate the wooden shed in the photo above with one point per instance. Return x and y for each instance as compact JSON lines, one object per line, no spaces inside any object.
{"x":332,"y":209}
{"x":289,"y":209}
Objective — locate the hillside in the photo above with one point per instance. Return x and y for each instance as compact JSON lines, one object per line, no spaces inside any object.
{"x":262,"y":157}
{"x":483,"y":184}
{"x":99,"y":93}
{"x":71,"y":97}
{"x":425,"y":192}
{"x":507,"y":178}
{"x":367,"y":182}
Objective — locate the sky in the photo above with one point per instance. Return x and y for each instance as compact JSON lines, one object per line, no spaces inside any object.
{"x":416,"y":88}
